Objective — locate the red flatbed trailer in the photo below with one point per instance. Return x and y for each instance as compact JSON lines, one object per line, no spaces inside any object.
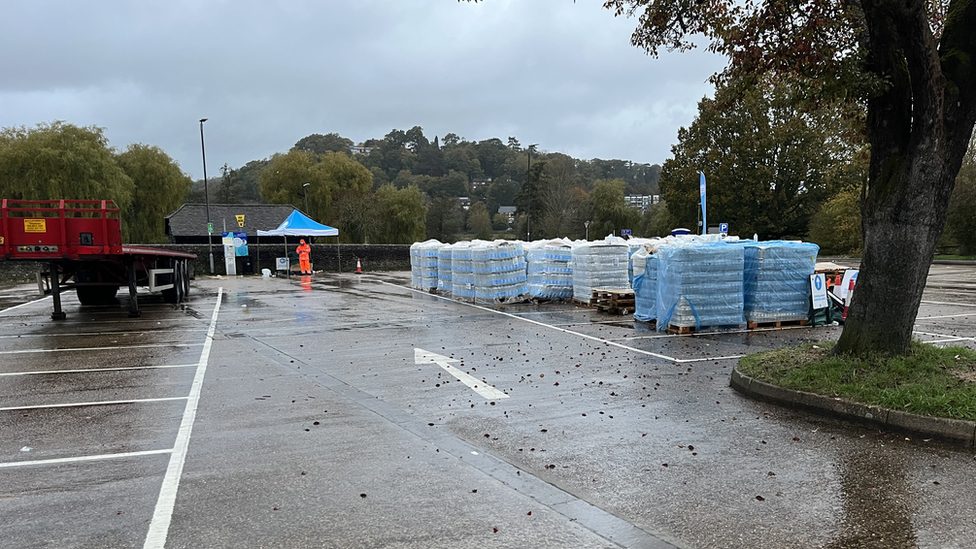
{"x":81,"y":241}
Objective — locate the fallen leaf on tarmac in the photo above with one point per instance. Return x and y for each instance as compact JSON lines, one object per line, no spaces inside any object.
{"x":495,"y":529}
{"x":760,"y":498}
{"x":362,"y":496}
{"x":529,"y":513}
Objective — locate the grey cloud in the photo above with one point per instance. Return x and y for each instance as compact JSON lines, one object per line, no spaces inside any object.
{"x":266,"y":74}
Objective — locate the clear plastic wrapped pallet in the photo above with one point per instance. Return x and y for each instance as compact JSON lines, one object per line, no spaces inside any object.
{"x":549,"y":270}
{"x":415,"y":265}
{"x":444,"y":268}
{"x":499,"y":272}
{"x":601,"y":265}
{"x":645,"y":289}
{"x":428,"y":263}
{"x":462,"y":272}
{"x":777,"y":280}
{"x":700,"y":285}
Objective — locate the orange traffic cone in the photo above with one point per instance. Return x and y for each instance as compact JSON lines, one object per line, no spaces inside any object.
{"x":359,"y":267}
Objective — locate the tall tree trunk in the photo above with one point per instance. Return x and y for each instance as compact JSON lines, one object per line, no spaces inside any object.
{"x":919,"y":128}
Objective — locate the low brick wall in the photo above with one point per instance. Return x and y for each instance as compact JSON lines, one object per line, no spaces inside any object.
{"x":325,"y":257}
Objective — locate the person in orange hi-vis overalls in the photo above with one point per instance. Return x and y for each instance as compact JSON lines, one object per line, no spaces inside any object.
{"x":303,"y":251}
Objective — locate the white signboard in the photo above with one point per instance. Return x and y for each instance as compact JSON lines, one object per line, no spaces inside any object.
{"x":230,"y":258}
{"x":818,"y":288}
{"x":282,"y":263}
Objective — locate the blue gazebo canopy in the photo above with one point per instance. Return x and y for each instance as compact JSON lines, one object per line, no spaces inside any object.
{"x":299,"y":224}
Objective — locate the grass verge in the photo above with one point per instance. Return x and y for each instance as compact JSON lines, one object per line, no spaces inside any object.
{"x":931,"y":381}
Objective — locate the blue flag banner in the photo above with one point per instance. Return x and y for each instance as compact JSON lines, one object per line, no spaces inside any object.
{"x":704,"y":227}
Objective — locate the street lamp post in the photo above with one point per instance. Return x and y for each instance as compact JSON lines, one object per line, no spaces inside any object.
{"x":528,"y":177}
{"x":305,"y":188}
{"x":206,"y":191}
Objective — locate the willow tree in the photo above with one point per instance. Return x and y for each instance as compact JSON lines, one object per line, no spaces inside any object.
{"x":329,"y":176}
{"x":160,"y":187}
{"x":61,"y":160}
{"x":911,"y":65}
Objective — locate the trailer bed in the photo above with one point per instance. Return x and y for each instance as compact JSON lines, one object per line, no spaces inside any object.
{"x":81,"y":243}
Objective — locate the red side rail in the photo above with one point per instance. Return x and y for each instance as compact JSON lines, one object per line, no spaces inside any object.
{"x":59,"y":229}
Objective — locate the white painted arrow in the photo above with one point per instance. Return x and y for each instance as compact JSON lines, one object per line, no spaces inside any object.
{"x":421,"y":356}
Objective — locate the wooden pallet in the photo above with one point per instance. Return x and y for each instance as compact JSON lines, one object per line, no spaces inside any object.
{"x":776,"y":324}
{"x":619,"y":302}
{"x":680,"y":330}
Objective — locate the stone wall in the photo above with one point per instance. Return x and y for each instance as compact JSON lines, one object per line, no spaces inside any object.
{"x":325,"y":257}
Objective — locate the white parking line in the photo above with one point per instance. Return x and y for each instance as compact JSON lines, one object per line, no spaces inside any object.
{"x":94,"y":403}
{"x":944,"y":336}
{"x":86,"y":370}
{"x":950,"y":340}
{"x":86,"y":334}
{"x":23,"y":305}
{"x":943,"y":316}
{"x":163,"y":514}
{"x":57,"y":461}
{"x":112,"y":348}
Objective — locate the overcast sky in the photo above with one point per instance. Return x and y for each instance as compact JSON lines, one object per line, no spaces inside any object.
{"x":267,"y":73}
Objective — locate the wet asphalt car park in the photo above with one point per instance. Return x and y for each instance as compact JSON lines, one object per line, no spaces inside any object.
{"x":352,"y":411}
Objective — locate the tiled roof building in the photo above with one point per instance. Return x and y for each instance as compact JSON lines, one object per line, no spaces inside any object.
{"x":188,"y":223}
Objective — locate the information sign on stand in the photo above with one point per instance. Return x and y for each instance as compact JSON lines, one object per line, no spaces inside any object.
{"x":818,"y":288}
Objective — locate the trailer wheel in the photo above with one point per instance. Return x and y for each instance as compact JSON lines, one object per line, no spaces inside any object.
{"x":97,"y":295}
{"x":171,"y":295}
{"x":178,"y":281}
{"x":186,"y":277}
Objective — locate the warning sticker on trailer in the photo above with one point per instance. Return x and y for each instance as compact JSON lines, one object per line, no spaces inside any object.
{"x":35,"y":225}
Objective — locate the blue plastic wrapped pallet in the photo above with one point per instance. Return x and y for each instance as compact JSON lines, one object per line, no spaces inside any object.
{"x":444,"y":268}
{"x":645,"y":290}
{"x":462,"y":272}
{"x":499,"y":273}
{"x":777,"y":280}
{"x":700,"y":285}
{"x":549,"y":270}
{"x":599,"y":265}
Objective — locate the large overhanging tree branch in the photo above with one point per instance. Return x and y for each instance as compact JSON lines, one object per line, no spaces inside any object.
{"x":911,"y":64}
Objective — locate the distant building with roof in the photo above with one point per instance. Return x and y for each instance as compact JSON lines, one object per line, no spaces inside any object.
{"x":509,"y":211}
{"x":188,"y":223}
{"x":642,"y":202}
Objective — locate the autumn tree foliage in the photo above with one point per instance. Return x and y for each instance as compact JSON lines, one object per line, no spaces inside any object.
{"x":910,"y":65}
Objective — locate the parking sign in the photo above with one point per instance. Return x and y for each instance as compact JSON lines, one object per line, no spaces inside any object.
{"x":818,"y":288}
